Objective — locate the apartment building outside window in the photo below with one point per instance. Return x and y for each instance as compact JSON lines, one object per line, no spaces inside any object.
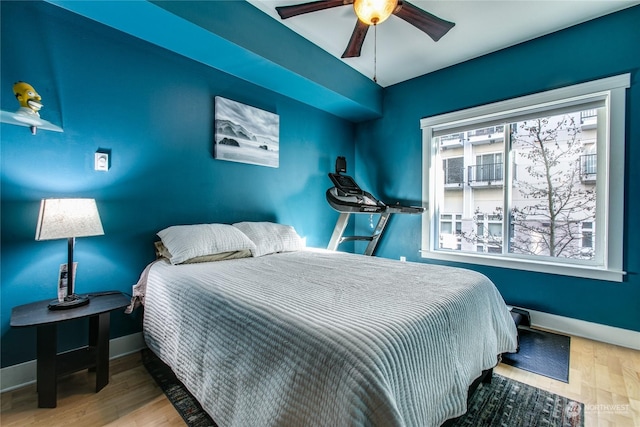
{"x":450,"y":231}
{"x":453,"y":170}
{"x":530,"y":183}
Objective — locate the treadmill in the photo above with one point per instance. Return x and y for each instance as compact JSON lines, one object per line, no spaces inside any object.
{"x":348,"y":198}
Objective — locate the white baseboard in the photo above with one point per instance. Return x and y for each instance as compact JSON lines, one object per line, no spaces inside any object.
{"x":22,"y":374}
{"x":581,"y":328}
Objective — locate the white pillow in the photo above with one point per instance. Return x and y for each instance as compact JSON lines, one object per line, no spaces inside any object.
{"x":185,"y":242}
{"x":163,"y":252}
{"x":269,"y":237}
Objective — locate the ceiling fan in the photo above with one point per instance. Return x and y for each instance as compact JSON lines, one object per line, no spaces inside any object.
{"x":432,"y":25}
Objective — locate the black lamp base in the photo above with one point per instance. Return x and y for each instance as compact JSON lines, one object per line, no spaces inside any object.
{"x":70,"y":301}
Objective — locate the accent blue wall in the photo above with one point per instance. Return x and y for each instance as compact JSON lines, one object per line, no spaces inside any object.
{"x":389,"y":153}
{"x":154,"y":110}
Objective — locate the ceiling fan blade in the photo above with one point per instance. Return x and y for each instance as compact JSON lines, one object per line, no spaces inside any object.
{"x":357,"y":39}
{"x":432,"y":25}
{"x":299,"y":9}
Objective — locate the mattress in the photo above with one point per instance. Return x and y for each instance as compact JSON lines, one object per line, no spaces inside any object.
{"x":321,"y":338}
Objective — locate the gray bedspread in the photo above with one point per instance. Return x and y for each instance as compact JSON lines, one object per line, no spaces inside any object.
{"x":319,"y":338}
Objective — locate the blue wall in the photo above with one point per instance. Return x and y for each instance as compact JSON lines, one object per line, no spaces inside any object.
{"x":154,"y":110}
{"x":596,"y":49}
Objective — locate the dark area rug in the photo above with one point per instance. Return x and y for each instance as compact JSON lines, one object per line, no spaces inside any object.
{"x":186,"y":405}
{"x":504,"y":402}
{"x":507,"y":402}
{"x":542,"y":353}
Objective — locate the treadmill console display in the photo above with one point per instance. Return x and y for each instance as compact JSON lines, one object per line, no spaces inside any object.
{"x":347,"y":196}
{"x":345,"y":184}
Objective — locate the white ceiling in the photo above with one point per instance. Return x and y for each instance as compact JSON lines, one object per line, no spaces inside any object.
{"x":404,"y":52}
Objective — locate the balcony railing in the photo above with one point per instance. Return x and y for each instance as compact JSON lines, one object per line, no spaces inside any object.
{"x":589,"y":119}
{"x":486,"y":131}
{"x":589,"y":163}
{"x":588,"y":114}
{"x":488,"y":135}
{"x":588,"y":167}
{"x":451,"y":141}
{"x":487,"y":174}
{"x":453,"y":136}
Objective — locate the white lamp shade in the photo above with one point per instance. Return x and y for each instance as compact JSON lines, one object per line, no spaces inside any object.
{"x":65,"y":218}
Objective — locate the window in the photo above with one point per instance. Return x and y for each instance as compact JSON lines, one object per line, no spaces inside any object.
{"x":587,"y":238}
{"x":450,"y":231}
{"x":488,"y":233}
{"x":453,"y":170}
{"x":536,"y":186}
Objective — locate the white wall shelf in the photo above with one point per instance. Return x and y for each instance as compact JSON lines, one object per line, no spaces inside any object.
{"x":30,"y":120}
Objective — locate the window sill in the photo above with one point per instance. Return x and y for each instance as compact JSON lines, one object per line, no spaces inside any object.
{"x":574,"y":270}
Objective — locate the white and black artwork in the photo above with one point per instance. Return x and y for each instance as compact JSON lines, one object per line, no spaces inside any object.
{"x":246,"y":134}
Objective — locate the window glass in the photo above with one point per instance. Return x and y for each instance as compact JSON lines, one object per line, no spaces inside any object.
{"x":551,"y":198}
{"x":527,"y":184}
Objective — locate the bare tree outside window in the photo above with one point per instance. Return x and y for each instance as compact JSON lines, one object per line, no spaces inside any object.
{"x":534,"y":183}
{"x":551,"y":201}
{"x":553,"y":193}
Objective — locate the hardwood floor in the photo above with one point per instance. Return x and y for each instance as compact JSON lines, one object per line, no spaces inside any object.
{"x":606,"y":378}
{"x":131,"y":398}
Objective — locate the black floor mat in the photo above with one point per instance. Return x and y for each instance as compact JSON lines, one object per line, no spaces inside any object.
{"x":542,"y":353}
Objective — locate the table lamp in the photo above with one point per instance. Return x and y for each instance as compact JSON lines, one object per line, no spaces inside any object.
{"x":68,"y":219}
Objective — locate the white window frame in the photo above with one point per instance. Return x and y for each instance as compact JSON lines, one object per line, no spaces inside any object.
{"x":610,"y":181}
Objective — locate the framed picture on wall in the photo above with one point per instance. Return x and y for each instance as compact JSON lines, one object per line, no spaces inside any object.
{"x":246,"y":134}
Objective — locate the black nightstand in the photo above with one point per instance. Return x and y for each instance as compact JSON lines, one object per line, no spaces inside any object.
{"x":95,"y":356}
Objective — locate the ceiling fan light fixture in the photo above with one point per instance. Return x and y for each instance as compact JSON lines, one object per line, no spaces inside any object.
{"x":373,"y":12}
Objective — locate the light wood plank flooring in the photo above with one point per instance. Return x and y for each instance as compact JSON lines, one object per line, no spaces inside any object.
{"x":606,"y":378}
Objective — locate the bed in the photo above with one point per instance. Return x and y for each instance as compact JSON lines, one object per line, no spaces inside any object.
{"x":271,"y":333}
